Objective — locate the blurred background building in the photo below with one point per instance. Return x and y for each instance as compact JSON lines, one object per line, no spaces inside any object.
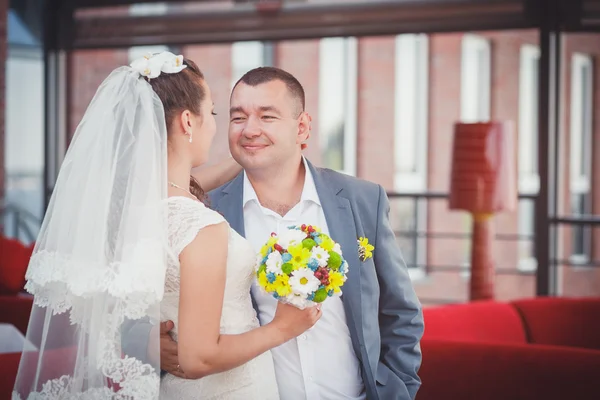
{"x":385,"y":83}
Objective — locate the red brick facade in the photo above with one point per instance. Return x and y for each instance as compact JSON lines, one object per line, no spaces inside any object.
{"x":87,"y":70}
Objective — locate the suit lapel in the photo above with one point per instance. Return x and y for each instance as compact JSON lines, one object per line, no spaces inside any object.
{"x":231,"y":204}
{"x":342,"y":229}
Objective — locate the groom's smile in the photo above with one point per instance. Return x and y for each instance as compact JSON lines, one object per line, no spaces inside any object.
{"x":262,"y":117}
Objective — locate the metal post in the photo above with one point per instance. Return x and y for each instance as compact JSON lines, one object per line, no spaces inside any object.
{"x":58,"y":20}
{"x":548,"y":159}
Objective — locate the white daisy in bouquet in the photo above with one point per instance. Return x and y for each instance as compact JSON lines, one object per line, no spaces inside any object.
{"x":301,"y":266}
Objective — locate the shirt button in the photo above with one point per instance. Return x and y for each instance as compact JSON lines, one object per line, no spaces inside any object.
{"x":303,"y":337}
{"x":310,"y":378}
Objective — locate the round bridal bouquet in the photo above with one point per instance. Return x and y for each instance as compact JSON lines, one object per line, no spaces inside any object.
{"x":301,"y":266}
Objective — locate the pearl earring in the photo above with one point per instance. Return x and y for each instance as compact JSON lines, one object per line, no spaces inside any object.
{"x":190,"y":137}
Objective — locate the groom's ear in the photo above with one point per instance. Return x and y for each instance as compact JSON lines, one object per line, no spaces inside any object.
{"x":304,"y":127}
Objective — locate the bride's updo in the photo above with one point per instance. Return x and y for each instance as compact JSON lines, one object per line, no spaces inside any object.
{"x":178,"y":92}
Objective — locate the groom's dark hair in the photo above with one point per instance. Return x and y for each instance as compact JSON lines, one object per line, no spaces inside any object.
{"x":260,"y":75}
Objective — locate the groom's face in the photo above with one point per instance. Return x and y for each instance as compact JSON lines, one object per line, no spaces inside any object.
{"x":266,"y":125}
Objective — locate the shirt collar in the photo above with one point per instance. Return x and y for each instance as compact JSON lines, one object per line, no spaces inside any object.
{"x":309,"y":191}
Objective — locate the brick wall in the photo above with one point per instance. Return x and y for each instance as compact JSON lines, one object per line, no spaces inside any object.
{"x":218,"y":76}
{"x":87,"y":70}
{"x":375,"y":133}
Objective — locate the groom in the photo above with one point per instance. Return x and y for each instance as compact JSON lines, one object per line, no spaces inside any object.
{"x":366,"y":345}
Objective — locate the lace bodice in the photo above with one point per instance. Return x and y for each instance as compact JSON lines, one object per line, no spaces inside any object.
{"x":186,"y":218}
{"x":249,"y":381}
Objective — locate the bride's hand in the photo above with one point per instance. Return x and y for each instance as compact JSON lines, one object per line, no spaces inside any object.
{"x":291,"y":321}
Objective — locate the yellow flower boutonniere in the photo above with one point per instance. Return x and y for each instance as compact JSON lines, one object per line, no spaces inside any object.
{"x":365,"y":250}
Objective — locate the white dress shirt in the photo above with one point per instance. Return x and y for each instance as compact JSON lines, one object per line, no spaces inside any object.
{"x":321,"y":363}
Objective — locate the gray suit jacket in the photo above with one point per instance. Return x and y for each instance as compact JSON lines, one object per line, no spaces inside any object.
{"x":384,"y":315}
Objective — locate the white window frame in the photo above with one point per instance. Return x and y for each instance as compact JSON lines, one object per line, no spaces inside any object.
{"x":475,"y":100}
{"x":580,"y":180}
{"x":529,"y":178}
{"x":244,"y":57}
{"x":411,"y":107}
{"x":475,"y":103}
{"x":347,"y":68}
{"x":411,"y":111}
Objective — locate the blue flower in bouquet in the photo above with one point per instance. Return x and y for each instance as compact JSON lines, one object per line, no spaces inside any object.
{"x":271,"y":277}
{"x":313,"y":264}
{"x":344,"y":267}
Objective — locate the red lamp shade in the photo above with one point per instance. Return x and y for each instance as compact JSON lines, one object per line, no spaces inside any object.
{"x":483,"y":179}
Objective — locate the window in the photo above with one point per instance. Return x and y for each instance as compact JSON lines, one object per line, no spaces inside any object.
{"x":581,"y":153}
{"x":249,"y":55}
{"x":529,"y":179}
{"x":411,"y":106}
{"x":21,"y":209}
{"x":410,"y":142}
{"x":475,"y":79}
{"x":337,"y":103}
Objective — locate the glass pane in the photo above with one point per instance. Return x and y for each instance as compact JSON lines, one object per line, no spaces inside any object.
{"x":526,"y":228}
{"x":24,"y":129}
{"x":246,"y":56}
{"x":482,"y":73}
{"x":579,"y":204}
{"x":333,"y":88}
{"x":535,"y":73}
{"x":579,"y":276}
{"x":586,"y":118}
{"x":403,"y":219}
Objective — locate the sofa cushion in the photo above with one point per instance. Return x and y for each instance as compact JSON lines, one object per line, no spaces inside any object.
{"x":561,"y":321}
{"x":460,"y":370}
{"x":474,"y":322}
{"x":14,"y":261}
{"x":9,"y":365}
{"x":15,"y":310}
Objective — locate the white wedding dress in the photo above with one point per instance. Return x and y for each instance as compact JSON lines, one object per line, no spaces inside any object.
{"x":252,"y":381}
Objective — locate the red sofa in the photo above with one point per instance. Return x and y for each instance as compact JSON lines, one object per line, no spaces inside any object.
{"x":15,"y":306}
{"x":15,"y":310}
{"x":543,"y":348}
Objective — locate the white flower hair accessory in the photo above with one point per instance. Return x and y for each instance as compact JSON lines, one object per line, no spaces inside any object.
{"x":152,"y":65}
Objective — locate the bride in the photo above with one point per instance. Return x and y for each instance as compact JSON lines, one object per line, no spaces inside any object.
{"x":127,"y":242}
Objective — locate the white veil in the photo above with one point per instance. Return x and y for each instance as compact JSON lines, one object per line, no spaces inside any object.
{"x":98,"y":268}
